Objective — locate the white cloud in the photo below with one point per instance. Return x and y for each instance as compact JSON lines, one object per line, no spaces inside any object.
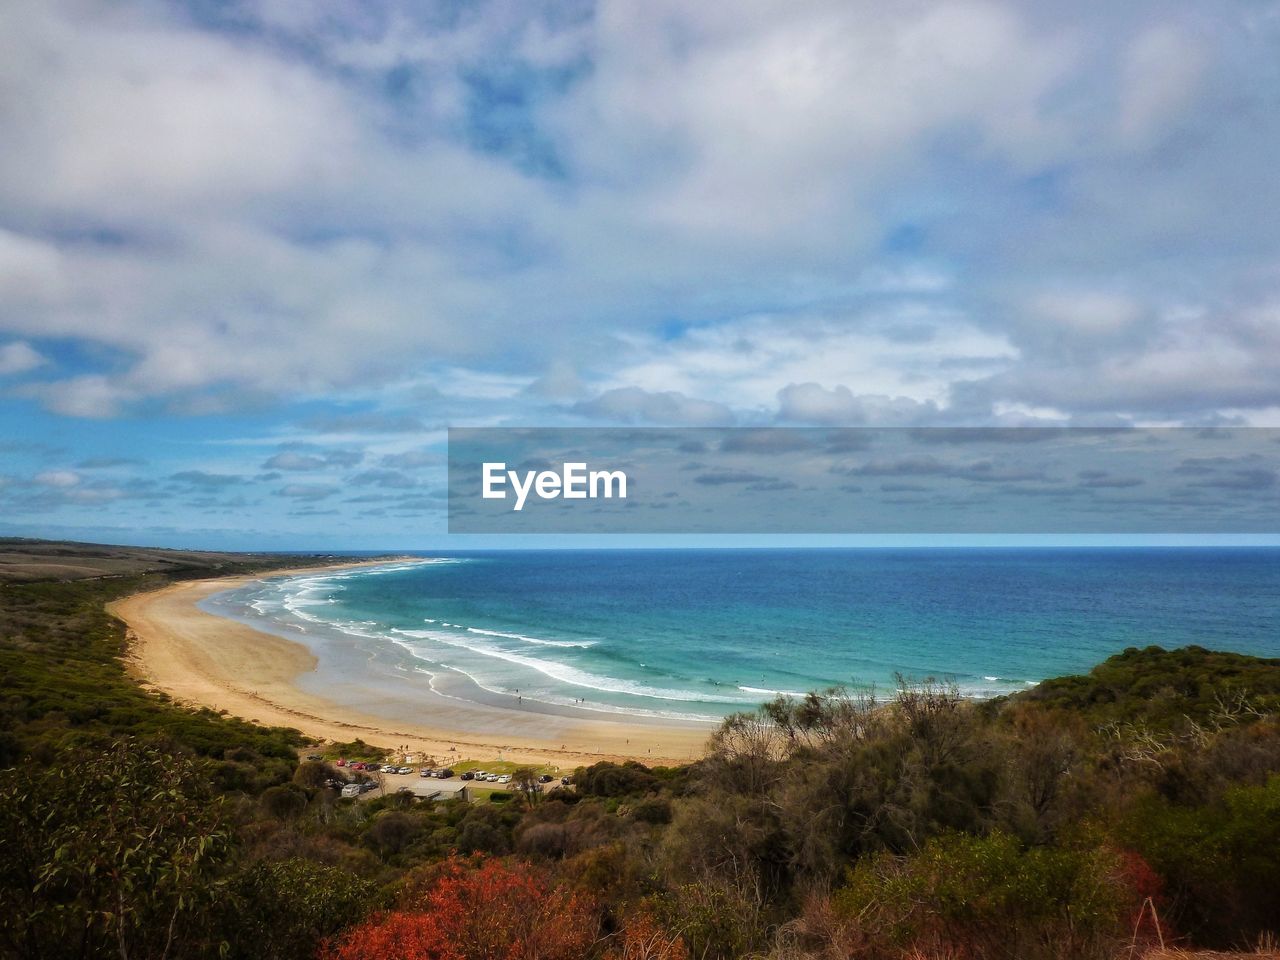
{"x":634,"y":405}
{"x":1084,"y":314}
{"x":907,"y":351}
{"x":1187,"y":362}
{"x":307,"y":491}
{"x":222,"y":220}
{"x":92,"y":396}
{"x":58,"y":478}
{"x":114,"y":110}
{"x":19,"y":357}
{"x":777,"y":121}
{"x":813,"y":403}
{"x":30,"y":270}
{"x":1161,"y":73}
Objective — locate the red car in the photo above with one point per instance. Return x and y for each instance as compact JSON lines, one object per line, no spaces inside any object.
{"x":342,"y":763}
{"x":357,"y":765}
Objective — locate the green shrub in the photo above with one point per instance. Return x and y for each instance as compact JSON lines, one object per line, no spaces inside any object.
{"x":606,"y":779}
{"x":1219,"y":859}
{"x":991,"y":898}
{"x":283,"y":909}
{"x":1162,"y":687}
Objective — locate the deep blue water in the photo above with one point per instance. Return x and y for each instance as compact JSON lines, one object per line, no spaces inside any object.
{"x":705,"y":632}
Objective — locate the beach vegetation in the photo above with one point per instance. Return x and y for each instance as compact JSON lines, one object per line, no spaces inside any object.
{"x":65,"y":686}
{"x":991,"y":897}
{"x":476,"y":909}
{"x":283,"y":908}
{"x":118,"y":854}
{"x":1163,"y":688}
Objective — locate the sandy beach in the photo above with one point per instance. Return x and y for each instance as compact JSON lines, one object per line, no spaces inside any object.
{"x":206,"y":660}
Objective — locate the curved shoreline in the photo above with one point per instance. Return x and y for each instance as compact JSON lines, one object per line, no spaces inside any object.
{"x":206,"y":660}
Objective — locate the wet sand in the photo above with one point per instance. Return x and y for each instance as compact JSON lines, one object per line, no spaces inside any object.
{"x":206,"y":660}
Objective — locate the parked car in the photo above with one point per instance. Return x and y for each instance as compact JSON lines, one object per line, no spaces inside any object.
{"x":566,"y":780}
{"x":342,"y":763}
{"x":545,"y":778}
{"x":444,"y":774}
{"x":468,"y":775}
{"x":367,"y":786}
{"x":427,"y":772}
{"x":352,"y":790}
{"x":492,"y":778}
{"x":357,"y":765}
{"x":505,"y":778}
{"x":390,"y":769}
{"x":405,"y":770}
{"x":314,"y":756}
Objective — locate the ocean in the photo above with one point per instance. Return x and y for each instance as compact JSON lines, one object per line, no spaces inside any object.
{"x":698,"y":634}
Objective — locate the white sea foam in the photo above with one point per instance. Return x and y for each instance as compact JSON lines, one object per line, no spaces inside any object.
{"x":521,"y":637}
{"x":770,"y":693}
{"x":553,"y":700}
{"x":563,"y":672}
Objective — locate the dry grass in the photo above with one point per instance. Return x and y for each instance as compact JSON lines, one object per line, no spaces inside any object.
{"x":1204,"y":955}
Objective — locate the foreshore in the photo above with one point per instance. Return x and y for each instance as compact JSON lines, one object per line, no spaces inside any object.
{"x":201,"y":659}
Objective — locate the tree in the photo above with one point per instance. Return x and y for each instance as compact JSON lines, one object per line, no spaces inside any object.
{"x":285,"y":802}
{"x":606,"y":779}
{"x":313,"y":774}
{"x":525,"y":780}
{"x":746,"y":753}
{"x":1043,"y":752}
{"x":112,"y":852}
{"x":392,"y":832}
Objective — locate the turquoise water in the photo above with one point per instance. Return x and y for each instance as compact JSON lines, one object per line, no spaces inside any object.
{"x":701,"y":633}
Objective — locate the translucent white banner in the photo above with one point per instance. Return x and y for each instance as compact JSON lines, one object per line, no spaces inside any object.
{"x":864,"y":480}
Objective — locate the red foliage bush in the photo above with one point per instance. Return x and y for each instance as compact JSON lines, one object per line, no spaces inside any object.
{"x":1147,"y":888}
{"x":643,"y":938}
{"x":477,"y":910}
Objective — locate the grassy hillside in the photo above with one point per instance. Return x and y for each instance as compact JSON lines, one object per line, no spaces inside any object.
{"x":62,"y":683}
{"x":24,"y":560}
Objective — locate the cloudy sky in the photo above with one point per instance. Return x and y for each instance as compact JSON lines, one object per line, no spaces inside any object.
{"x":255,"y":255}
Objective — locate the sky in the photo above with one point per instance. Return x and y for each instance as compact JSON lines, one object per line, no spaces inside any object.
{"x":256,"y":256}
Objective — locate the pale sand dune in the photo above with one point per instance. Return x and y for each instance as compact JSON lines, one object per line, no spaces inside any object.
{"x":198,"y":658}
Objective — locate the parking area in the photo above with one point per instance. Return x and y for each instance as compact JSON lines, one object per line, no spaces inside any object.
{"x":423,"y":787}
{"x":407,"y":774}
